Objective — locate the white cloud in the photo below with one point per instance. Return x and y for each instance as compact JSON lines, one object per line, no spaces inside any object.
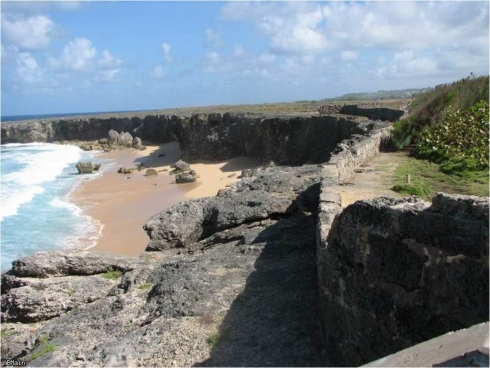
{"x":9,"y":54}
{"x":267,"y":58}
{"x":213,"y":38}
{"x":402,"y":25}
{"x":349,"y":55}
{"x":28,"y":71}
{"x":293,"y":28}
{"x":408,"y":64}
{"x":108,"y":60}
{"x":166,"y":48}
{"x":431,"y":41}
{"x":239,"y":51}
{"x":110,"y":75}
{"x":157,"y":72}
{"x":78,"y":55}
{"x":33,"y":33}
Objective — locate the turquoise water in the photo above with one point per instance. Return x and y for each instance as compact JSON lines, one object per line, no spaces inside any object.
{"x":35,"y":212}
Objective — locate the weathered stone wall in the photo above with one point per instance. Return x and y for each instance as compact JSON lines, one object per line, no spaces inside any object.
{"x":396,"y":272}
{"x":353,"y":152}
{"x":393,"y":273}
{"x":379,"y":113}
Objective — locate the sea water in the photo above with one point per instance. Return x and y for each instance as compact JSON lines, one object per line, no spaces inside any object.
{"x":35,"y":212}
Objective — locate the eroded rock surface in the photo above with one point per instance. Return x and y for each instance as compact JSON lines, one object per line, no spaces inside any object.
{"x":396,"y":272}
{"x":234,"y":283}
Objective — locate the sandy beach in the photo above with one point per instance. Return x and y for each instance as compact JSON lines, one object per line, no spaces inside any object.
{"x":123,"y":203}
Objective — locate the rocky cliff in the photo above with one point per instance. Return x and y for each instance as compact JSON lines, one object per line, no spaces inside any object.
{"x":226,"y":281}
{"x":291,"y":140}
{"x":257,"y":275}
{"x":396,"y":272}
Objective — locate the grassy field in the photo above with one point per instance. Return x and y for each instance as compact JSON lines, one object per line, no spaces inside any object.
{"x":293,"y":108}
{"x":426,"y":179}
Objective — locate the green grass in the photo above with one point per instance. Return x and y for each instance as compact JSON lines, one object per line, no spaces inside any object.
{"x":145,"y":286}
{"x":43,"y":340}
{"x":213,"y":340}
{"x":112,"y":275}
{"x":49,"y":348}
{"x":426,"y":179}
{"x":6,"y":333}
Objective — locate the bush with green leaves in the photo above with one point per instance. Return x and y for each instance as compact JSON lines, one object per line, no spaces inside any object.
{"x":460,"y":142}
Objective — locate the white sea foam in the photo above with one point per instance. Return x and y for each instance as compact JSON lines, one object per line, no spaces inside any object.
{"x":27,"y":167}
{"x":58,"y":203}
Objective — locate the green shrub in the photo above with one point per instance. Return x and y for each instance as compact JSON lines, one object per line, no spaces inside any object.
{"x":403,"y":133}
{"x":112,"y":275}
{"x":460,"y":142}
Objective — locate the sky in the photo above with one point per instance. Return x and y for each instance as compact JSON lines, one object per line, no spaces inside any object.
{"x":68,"y":57}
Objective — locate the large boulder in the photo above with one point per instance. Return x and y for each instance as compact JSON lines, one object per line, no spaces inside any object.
{"x":186,"y":177}
{"x":181,"y":166}
{"x":64,"y":263}
{"x":137,"y":143}
{"x":113,"y":136}
{"x":125,"y":170}
{"x":125,"y":139}
{"x":151,"y":172}
{"x":87,"y":167}
{"x":275,"y":191}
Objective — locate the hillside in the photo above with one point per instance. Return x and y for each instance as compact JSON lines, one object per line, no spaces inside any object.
{"x":448,"y":127}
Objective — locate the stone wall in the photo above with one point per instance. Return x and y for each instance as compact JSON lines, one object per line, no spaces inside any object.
{"x":396,"y":272}
{"x":379,"y":113}
{"x":393,"y":273}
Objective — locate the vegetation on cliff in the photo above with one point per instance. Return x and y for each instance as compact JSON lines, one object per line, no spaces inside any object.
{"x":449,"y":128}
{"x":431,"y":108}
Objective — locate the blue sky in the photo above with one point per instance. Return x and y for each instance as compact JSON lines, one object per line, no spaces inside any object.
{"x":64,"y":57}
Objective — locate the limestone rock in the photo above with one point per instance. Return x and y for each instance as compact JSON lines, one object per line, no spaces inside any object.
{"x":87,"y":167}
{"x":125,"y":170}
{"x":45,"y":299}
{"x":137,"y":143}
{"x":186,"y":177}
{"x":181,"y":166}
{"x":397,"y":272}
{"x":125,"y":139}
{"x":64,"y":263}
{"x":277,"y":191}
{"x":151,"y":172}
{"x":113,"y":136}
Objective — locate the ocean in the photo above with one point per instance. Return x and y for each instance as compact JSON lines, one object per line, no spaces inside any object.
{"x":35,"y":212}
{"x":13,"y":118}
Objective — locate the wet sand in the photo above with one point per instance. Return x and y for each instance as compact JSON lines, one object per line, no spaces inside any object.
{"x":123,"y":203}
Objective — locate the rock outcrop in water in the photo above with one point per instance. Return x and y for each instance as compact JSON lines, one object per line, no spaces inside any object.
{"x":87,"y":167}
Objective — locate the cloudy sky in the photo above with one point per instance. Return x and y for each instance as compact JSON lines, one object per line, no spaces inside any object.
{"x":63,"y":57}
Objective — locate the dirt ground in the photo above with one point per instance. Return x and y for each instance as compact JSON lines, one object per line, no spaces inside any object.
{"x":374,"y":178}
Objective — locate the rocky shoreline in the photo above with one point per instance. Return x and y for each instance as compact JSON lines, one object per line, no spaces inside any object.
{"x":269,"y":273}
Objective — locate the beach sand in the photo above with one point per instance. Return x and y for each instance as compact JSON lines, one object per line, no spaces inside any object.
{"x":123,"y":203}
